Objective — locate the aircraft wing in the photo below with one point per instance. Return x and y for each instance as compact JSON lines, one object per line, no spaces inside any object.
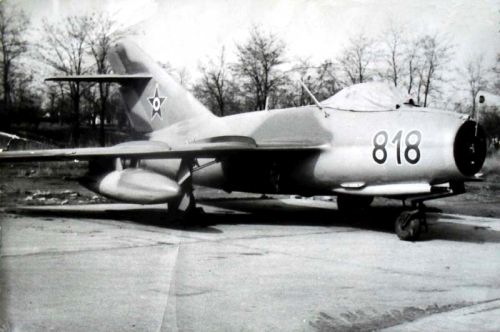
{"x":207,"y":148}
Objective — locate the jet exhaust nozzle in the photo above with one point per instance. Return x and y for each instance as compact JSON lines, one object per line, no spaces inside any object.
{"x":134,"y":185}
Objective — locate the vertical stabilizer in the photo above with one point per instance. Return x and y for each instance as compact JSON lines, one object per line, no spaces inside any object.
{"x":156,"y":103}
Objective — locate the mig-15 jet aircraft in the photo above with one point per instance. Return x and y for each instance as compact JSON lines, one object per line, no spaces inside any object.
{"x":365,"y":141}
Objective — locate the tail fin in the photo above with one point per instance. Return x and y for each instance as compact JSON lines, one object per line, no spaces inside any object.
{"x":155,"y":103}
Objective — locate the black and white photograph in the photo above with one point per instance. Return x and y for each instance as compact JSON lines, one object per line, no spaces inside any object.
{"x":250,"y":165}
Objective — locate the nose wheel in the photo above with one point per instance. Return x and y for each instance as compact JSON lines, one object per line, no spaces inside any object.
{"x":410,"y":224}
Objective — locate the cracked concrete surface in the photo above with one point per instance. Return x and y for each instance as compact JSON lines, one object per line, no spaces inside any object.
{"x":124,"y":267}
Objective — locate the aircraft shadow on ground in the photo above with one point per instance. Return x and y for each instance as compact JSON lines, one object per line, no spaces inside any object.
{"x":452,"y":231}
{"x":276,"y":212}
{"x":148,"y":216}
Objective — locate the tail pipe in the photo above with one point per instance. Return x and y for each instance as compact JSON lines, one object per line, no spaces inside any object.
{"x":470,"y":148}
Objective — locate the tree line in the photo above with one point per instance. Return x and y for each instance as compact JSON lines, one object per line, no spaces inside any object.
{"x":260,"y":76}
{"x":74,"y":45}
{"x":418,"y":64}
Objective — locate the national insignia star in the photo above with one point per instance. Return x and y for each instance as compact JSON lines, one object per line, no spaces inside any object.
{"x":156,"y":101}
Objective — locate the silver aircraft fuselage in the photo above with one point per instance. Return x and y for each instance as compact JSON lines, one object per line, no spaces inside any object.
{"x":362,"y":151}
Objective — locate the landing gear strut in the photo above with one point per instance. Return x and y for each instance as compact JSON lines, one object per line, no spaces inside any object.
{"x":184,"y":207}
{"x":410,"y":223}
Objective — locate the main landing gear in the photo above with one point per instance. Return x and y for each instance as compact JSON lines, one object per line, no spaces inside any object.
{"x":184,"y":207}
{"x":410,"y":223}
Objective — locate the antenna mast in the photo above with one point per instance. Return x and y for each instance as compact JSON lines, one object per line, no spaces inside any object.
{"x":314,"y":99}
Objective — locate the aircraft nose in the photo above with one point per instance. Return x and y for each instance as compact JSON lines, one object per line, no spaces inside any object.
{"x":470,"y":148}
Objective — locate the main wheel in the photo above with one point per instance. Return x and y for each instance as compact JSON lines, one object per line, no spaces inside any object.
{"x":409,"y":225}
{"x":182,"y":207}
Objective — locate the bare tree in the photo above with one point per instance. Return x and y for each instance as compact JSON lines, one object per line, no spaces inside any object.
{"x":357,"y":58}
{"x":184,"y":77}
{"x":25,"y":99}
{"x":19,"y":88}
{"x":181,"y":75}
{"x":53,"y":102}
{"x":393,"y":45}
{"x":321,"y":80}
{"x":496,"y":73}
{"x":90,"y":105}
{"x":293,"y":93}
{"x":215,"y":87}
{"x":103,"y":34}
{"x":64,"y":49}
{"x":13,"y":25}
{"x":257,"y":64}
{"x":412,"y":62}
{"x":475,"y":74}
{"x":328,"y":82}
{"x":436,"y":55}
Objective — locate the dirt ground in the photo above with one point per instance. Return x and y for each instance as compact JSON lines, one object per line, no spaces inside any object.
{"x":56,"y":183}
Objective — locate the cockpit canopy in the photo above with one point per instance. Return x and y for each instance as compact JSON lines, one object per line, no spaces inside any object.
{"x":368,"y":97}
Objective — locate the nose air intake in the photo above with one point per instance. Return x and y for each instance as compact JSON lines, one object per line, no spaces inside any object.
{"x":469,"y":148}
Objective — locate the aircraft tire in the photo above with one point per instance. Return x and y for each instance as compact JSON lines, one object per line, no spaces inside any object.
{"x":177,"y":210}
{"x":408,"y":226}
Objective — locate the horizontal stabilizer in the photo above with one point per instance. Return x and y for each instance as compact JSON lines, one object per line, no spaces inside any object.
{"x":105,"y":78}
{"x":206,"y":148}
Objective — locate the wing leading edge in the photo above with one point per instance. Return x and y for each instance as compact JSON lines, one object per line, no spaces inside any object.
{"x":207,"y":148}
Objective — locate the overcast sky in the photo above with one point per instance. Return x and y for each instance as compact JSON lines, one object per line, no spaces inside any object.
{"x":186,"y":33}
{"x":183,"y":32}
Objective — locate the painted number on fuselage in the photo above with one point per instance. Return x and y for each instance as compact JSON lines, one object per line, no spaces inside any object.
{"x":411,"y":142}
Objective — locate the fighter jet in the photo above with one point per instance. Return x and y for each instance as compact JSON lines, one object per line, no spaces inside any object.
{"x":365,"y":141}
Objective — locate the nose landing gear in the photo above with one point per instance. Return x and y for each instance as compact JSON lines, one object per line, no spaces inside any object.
{"x":411,"y":223}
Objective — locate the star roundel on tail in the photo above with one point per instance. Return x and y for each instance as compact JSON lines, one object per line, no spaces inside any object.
{"x":156,"y":101}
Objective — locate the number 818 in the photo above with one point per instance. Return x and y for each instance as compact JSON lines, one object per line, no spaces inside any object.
{"x":411,"y":152}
